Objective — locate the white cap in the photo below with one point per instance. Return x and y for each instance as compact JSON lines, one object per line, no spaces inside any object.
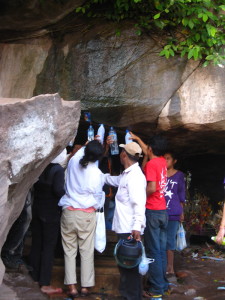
{"x":132,"y":148}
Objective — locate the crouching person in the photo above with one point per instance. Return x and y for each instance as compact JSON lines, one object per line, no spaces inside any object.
{"x":129,"y":216}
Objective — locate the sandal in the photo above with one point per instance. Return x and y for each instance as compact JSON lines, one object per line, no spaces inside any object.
{"x":147,"y":294}
{"x":73,"y":295}
{"x":84,"y":293}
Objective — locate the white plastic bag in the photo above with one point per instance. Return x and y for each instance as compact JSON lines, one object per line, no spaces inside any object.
{"x":145,"y":261}
{"x":100,"y":232}
{"x":181,"y":239}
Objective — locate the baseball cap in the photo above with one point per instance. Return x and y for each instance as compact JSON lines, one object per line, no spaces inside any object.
{"x":132,"y":148}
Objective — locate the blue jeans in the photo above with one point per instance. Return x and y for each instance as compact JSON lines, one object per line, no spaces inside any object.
{"x":155,"y":243}
{"x":172,"y":229}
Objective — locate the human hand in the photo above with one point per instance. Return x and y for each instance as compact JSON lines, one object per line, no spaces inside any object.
{"x":97,"y":138}
{"x":109,"y":140}
{"x":136,"y":235}
{"x":220,"y":235}
{"x":182,"y":218}
{"x":133,"y":136}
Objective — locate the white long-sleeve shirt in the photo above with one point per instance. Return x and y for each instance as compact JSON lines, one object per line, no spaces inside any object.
{"x":130,"y":200}
{"x":83,"y":188}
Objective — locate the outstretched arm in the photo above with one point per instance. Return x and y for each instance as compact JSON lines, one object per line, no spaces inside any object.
{"x":136,"y":138}
{"x":221,"y":233}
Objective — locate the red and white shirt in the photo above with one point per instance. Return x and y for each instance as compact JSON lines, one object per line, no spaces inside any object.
{"x":156,"y":171}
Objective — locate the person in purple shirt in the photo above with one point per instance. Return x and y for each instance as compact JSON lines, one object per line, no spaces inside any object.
{"x":175,"y":198}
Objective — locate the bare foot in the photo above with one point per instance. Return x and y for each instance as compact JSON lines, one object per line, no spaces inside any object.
{"x":48,"y":289}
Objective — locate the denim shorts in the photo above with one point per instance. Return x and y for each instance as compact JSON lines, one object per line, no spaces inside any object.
{"x":172,"y":234}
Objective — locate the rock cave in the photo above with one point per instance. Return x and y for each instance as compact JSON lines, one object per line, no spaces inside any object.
{"x":120,"y":80}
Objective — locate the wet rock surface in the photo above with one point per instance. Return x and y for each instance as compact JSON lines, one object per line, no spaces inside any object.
{"x":32,"y":133}
{"x":198,"y":279}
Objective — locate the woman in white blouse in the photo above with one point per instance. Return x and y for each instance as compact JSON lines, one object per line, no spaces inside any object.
{"x":83,"y":188}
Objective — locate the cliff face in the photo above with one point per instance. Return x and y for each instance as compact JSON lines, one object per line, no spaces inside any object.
{"x":122,"y":81}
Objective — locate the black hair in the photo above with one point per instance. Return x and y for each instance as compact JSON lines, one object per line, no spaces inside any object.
{"x":134,"y":158}
{"x":172,"y":154}
{"x":158,"y":144}
{"x":93,"y":152}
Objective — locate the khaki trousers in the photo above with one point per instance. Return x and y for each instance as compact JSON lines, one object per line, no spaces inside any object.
{"x":78,"y":229}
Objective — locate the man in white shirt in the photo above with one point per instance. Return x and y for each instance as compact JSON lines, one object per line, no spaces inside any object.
{"x":129,"y":216}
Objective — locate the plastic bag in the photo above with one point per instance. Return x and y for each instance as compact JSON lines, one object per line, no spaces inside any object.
{"x":181,"y":239}
{"x":145,"y":261}
{"x":100,"y":232}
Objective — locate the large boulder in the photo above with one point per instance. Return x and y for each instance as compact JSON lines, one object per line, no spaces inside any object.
{"x":32,"y":132}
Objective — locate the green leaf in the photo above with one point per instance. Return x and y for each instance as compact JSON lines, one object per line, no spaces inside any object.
{"x":138,"y":32}
{"x":209,"y":57}
{"x":195,"y":54}
{"x":213,"y":31}
{"x":222,"y":7}
{"x":183,"y":52}
{"x":118,"y":32}
{"x":167,"y":53}
{"x":206,"y":63}
{"x":191,"y":24}
{"x":78,"y":9}
{"x":197,"y":37}
{"x":162,"y":53}
{"x":156,"y":16}
{"x":167,"y":10}
{"x":190,"y":53}
{"x":171,"y":52}
{"x":205,"y":17}
{"x":185,"y":21}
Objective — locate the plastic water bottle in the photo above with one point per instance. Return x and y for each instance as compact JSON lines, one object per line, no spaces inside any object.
{"x":213,"y":238}
{"x":101,"y":133}
{"x":114,"y":146}
{"x":127,"y":137}
{"x":90,"y":133}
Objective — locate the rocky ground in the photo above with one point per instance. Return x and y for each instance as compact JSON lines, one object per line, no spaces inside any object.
{"x":197,"y":279}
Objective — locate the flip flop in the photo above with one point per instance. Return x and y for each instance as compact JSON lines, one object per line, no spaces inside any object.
{"x":84,"y":294}
{"x":148,"y":295}
{"x":73,"y":295}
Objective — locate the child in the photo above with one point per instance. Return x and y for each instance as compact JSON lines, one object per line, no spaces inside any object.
{"x":175,"y":198}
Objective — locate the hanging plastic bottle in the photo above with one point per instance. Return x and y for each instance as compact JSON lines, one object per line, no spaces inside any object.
{"x":127,"y":137}
{"x":114,"y":146}
{"x":90,"y":133}
{"x":101,"y":133}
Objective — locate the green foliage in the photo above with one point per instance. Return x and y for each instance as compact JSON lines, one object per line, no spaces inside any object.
{"x":191,"y":28}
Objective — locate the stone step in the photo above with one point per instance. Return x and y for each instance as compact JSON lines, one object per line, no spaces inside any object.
{"x":106,"y":275}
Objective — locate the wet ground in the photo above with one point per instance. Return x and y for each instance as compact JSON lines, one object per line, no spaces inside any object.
{"x":197,"y":279}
